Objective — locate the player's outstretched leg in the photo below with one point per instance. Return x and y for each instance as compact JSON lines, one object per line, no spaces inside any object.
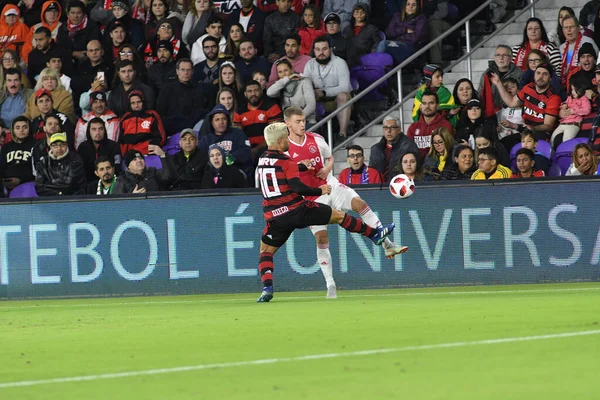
{"x":324,"y":259}
{"x":368,"y":216}
{"x":351,"y":224}
{"x":265,"y":267}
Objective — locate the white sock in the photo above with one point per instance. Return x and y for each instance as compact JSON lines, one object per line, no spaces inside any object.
{"x":373,"y":221}
{"x":324,"y":257}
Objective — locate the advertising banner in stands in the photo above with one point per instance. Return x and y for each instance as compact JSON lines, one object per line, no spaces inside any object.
{"x":459,"y":235}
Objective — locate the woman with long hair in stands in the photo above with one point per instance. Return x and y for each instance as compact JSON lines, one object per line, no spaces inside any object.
{"x":536,"y":38}
{"x":406,"y":31}
{"x":61,"y":98}
{"x":194,"y":24}
{"x":227,"y":98}
{"x":584,"y":161}
{"x":463,"y":92}
{"x":410,"y":166}
{"x":439,"y":157}
{"x":311,"y":27}
{"x":557,"y":36}
{"x":235,"y":35}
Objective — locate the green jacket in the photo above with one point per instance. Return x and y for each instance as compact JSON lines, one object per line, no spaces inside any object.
{"x":445,"y":97}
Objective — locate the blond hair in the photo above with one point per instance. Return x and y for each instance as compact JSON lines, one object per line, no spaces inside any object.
{"x":274,"y":131}
{"x":49,"y":73}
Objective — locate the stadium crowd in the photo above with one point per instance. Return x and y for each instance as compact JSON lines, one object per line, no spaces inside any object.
{"x":117,"y":97}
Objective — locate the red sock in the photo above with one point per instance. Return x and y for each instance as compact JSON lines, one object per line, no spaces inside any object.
{"x":265,"y":267}
{"x":356,"y":225}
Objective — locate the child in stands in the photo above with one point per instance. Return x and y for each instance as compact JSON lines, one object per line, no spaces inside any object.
{"x":433,"y":75}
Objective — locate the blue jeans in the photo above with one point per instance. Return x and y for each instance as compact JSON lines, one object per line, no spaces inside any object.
{"x":399,"y":51}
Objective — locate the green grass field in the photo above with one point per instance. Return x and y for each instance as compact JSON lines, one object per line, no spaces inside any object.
{"x":505,"y":342}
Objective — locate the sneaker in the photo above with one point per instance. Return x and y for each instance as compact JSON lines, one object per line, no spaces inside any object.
{"x":331,"y":292}
{"x":394,"y":250}
{"x":266,"y":295}
{"x":382,"y":233}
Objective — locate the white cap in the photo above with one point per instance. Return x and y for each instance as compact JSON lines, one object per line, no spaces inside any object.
{"x":11,"y":11}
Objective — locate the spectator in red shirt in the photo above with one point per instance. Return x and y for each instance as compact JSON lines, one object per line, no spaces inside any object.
{"x":358,"y":173}
{"x":540,"y":104}
{"x":525,"y":163}
{"x":311,"y":27}
{"x":429,"y":120}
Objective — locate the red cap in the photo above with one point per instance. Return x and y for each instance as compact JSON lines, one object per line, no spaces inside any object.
{"x":41,"y":92}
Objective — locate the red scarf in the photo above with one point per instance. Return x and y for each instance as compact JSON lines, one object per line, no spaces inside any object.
{"x":573,"y":63}
{"x":73,"y":29}
{"x":107,"y":4}
{"x":521,"y":56}
{"x":487,"y":97}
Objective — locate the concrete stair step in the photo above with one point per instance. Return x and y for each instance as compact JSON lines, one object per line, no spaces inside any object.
{"x":508,"y":39}
{"x":476,"y":65}
{"x":546,"y":14}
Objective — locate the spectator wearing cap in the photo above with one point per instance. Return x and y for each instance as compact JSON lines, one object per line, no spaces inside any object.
{"x":358,"y":173}
{"x":569,"y":50}
{"x":50,"y":18}
{"x":13,"y":98}
{"x":43,"y":43}
{"x":99,"y":110}
{"x":163,"y":71}
{"x":15,"y":156}
{"x":219,"y":174}
{"x":214,"y":28}
{"x":93,"y":74}
{"x":14,"y":34}
{"x":232,"y":140}
{"x":585,"y":72}
{"x":278,"y":26}
{"x":62,"y":99}
{"x":250,"y":62}
{"x":190,"y":163}
{"x":165,"y":33}
{"x":540,"y":104}
{"x":525,"y":159}
{"x":115,"y":37}
{"x":44,"y":106}
{"x":140,"y":126}
{"x":120,"y":10}
{"x":362,"y":36}
{"x":138,"y":178}
{"x":50,"y":125}
{"x":96,"y":145}
{"x":159,"y":10}
{"x":504,"y":68}
{"x":338,"y":42}
{"x":429,"y":120}
{"x":252,"y":20}
{"x":77,"y":31}
{"x":433,"y":75}
{"x":292,"y":54}
{"x":471,"y":119}
{"x":342,"y":8}
{"x":61,"y":173}
{"x":182,"y":103}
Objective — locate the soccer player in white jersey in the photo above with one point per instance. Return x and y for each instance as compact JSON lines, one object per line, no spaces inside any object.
{"x":313,"y":155}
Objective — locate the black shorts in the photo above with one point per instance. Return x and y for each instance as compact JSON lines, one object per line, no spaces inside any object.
{"x":278,"y":230}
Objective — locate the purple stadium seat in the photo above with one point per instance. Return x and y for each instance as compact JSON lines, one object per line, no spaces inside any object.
{"x":24,"y":190}
{"x":544,"y":148}
{"x":172,"y":145}
{"x":563,"y":162}
{"x":373,"y":66}
{"x":554,"y":170}
{"x":320,"y":112}
{"x":153,"y":161}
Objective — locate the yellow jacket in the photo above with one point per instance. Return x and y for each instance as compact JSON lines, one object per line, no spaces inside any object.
{"x":501,"y":173}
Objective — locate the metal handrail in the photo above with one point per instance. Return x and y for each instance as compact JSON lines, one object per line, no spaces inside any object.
{"x":404,"y":63}
{"x":528,"y":7}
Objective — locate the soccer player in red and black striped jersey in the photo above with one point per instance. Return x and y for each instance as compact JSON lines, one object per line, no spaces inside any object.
{"x":286,"y":210}
{"x":540,"y":104}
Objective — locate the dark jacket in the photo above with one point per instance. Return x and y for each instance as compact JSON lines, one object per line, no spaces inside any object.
{"x":189,"y":170}
{"x":89,"y":153}
{"x":58,"y":177}
{"x":15,"y":160}
{"x":453,"y":173}
{"x":340,"y":45}
{"x":400,"y":147}
{"x":363,"y":43}
{"x":37,"y":61}
{"x":233,"y":141}
{"x":278,"y":27}
{"x":81,"y":38}
{"x":397,"y":29}
{"x":118,"y":100}
{"x":160,"y":75}
{"x":256,"y":26}
{"x":152,"y":179}
{"x":257,"y":64}
{"x":181,"y":105}
{"x":36,"y":128}
{"x":228,"y":176}
{"x":86,"y":73}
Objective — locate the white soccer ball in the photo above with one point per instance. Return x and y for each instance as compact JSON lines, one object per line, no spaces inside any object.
{"x":402,"y":187}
